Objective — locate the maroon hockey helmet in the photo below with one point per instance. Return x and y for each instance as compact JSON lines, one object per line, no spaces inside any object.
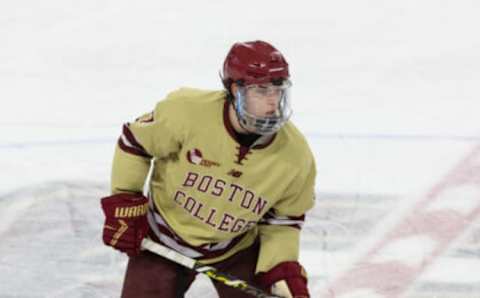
{"x":254,"y":62}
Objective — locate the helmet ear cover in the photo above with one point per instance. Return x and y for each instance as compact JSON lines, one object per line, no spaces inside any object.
{"x":228,"y":86}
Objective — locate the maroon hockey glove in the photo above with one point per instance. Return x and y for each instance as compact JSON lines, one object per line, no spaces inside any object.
{"x":125,"y":222}
{"x":287,"y":279}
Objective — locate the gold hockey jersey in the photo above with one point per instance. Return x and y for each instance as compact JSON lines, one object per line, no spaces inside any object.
{"x":210,"y":196}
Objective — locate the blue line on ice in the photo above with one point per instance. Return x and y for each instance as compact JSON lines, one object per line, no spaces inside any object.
{"x":386,"y":137}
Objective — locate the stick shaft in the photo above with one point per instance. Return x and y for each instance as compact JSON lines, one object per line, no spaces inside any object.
{"x":209,"y":271}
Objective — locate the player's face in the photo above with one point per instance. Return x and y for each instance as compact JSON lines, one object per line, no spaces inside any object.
{"x":263,"y":100}
{"x":262,"y":108}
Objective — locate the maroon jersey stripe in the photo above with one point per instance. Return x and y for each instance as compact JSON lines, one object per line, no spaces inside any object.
{"x":271,"y":215}
{"x":132,"y":150}
{"x":206,"y":252}
{"x":131,"y":138}
{"x":270,"y":218}
{"x":292,"y":226}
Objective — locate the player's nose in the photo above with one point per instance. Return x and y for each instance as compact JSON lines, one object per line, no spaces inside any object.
{"x":271,"y":108}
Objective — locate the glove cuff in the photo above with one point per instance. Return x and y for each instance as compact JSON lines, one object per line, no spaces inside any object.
{"x":124,"y":205}
{"x":283,"y":271}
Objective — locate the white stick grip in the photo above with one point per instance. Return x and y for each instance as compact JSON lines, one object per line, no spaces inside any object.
{"x":168,"y":253}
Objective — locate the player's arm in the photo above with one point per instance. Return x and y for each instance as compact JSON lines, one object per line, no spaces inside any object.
{"x":152,"y":135}
{"x":131,"y":161}
{"x":278,"y":268}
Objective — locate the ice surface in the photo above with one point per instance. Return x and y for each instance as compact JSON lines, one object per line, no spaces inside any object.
{"x":387,"y":93}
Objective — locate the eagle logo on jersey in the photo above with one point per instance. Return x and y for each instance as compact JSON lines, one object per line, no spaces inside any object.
{"x":195,"y":156}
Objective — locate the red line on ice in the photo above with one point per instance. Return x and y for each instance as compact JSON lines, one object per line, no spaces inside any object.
{"x":391,"y":278}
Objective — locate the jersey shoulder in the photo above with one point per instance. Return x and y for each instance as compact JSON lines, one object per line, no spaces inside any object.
{"x":193,"y":97}
{"x":296,"y":145}
{"x":184,"y":108}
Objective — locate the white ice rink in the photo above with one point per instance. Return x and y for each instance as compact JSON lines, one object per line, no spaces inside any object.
{"x":387,"y":93}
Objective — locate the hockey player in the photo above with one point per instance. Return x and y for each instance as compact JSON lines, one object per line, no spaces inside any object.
{"x":231,"y":181}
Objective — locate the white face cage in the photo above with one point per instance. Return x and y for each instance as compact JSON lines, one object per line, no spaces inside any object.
{"x":247,"y":96}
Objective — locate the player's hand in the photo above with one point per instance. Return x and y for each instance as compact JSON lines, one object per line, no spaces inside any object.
{"x":125,"y":222}
{"x":287,"y":279}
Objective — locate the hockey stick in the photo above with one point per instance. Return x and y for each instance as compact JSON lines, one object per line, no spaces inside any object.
{"x":209,"y":271}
